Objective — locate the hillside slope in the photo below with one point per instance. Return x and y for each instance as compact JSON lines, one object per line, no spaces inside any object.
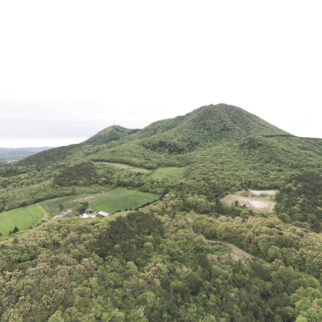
{"x":216,"y":143}
{"x":185,"y":256}
{"x":204,"y":127}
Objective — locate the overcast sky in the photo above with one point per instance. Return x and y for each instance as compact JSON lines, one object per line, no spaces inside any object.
{"x":69,"y":68}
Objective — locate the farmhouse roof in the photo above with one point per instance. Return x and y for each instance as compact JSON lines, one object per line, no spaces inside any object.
{"x":103,"y":213}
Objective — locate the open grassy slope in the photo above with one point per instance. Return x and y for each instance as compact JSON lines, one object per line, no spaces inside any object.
{"x":122,"y":199}
{"x":22,"y":218}
{"x":168,"y":173}
{"x":112,"y":200}
{"x":56,"y":205}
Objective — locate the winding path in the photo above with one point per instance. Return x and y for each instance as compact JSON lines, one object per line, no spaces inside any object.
{"x":235,"y":253}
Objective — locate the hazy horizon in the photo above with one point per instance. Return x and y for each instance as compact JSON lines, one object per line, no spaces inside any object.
{"x":135,"y":62}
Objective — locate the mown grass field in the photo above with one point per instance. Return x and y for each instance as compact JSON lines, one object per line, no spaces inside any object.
{"x":23,"y":218}
{"x":121,"y":199}
{"x":168,"y":173}
{"x":52,"y":206}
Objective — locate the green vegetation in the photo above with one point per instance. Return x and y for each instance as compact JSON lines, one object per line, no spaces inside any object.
{"x":185,"y":256}
{"x":22,"y":218}
{"x":57,"y":205}
{"x":168,"y":173}
{"x":112,"y":133}
{"x":300,"y":201}
{"x":122,"y":199}
{"x":125,"y":166}
{"x":80,"y":174}
{"x":112,"y":200}
{"x":131,"y":267}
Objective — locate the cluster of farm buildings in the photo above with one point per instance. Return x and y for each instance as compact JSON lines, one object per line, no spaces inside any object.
{"x":89,"y":213}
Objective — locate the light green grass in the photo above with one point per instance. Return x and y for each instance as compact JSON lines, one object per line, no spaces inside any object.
{"x":168,"y":173}
{"x":121,"y":199}
{"x":52,"y":206}
{"x":23,"y":218}
{"x":125,"y":166}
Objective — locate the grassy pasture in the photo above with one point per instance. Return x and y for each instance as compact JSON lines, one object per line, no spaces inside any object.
{"x":23,"y":218}
{"x":168,"y":173}
{"x":120,"y":199}
{"x":52,"y":206}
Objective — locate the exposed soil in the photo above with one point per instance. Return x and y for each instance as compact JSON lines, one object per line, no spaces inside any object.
{"x":259,"y":205}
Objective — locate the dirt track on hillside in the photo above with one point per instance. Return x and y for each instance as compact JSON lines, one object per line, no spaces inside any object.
{"x":233,"y":252}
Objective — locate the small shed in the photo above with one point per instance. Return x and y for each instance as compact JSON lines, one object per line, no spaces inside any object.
{"x":103,"y":214}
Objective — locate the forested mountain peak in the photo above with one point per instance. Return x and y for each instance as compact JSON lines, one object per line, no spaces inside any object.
{"x":205,"y":126}
{"x":111,"y":133}
{"x":233,"y":118}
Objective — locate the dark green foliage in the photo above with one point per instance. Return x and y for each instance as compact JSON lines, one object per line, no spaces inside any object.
{"x":82,"y":207}
{"x":124,"y":234}
{"x":79,"y":174}
{"x":52,"y":155}
{"x":15,"y":230}
{"x":299,"y":201}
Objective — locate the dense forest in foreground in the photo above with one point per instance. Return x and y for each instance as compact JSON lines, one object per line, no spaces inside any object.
{"x":175,"y":251}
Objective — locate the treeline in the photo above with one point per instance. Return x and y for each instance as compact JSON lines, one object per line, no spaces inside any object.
{"x":134,"y":269}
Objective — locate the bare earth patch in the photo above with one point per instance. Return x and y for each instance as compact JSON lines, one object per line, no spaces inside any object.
{"x":262,"y":205}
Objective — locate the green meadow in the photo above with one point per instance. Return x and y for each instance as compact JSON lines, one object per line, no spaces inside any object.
{"x":121,"y":199}
{"x":112,"y":200}
{"x":22,"y":218}
{"x":57,"y":205}
{"x":168,"y":173}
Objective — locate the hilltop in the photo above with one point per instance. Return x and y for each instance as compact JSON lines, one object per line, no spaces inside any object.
{"x":111,"y":133}
{"x":204,"y":127}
